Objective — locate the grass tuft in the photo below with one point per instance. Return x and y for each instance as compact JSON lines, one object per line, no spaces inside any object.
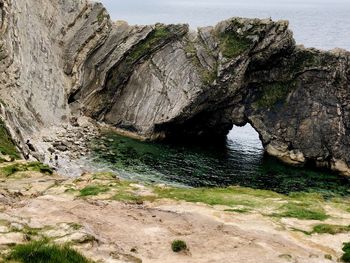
{"x":93,"y":190}
{"x":42,"y":251}
{"x":104,"y":176}
{"x":303,"y":211}
{"x":230,"y":196}
{"x":346,"y":256}
{"x":178,"y":246}
{"x":9,"y":170}
{"x":330,"y":229}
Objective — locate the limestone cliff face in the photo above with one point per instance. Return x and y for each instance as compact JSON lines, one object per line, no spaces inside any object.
{"x":67,"y":58}
{"x":33,"y":84}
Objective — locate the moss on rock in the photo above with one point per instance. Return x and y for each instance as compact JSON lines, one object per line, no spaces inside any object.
{"x":7,"y":146}
{"x":159,"y":34}
{"x":273,"y":93}
{"x":231,"y":44}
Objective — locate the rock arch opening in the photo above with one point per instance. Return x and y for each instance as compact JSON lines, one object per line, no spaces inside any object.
{"x":246,"y":139}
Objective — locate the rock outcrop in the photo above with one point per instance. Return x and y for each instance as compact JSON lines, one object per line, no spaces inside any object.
{"x":65,"y":58}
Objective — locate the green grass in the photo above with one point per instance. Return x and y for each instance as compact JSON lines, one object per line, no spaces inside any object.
{"x":93,"y":190}
{"x":10,"y":170}
{"x":125,"y":192}
{"x":232,"y":45}
{"x":131,"y":197}
{"x":29,"y":231}
{"x":160,"y":33}
{"x":178,"y":246}
{"x":330,"y":229}
{"x":303,"y":211}
{"x":300,"y":205}
{"x":7,"y":146}
{"x":230,"y":196}
{"x":44,"y":252}
{"x":127,"y":197}
{"x":346,"y":256}
{"x":325,"y":229}
{"x":104,"y":176}
{"x":209,"y":76}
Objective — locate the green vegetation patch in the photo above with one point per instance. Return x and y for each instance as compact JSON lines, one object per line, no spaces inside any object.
{"x":301,"y":205}
{"x":126,"y":193}
{"x":28,"y":231}
{"x":346,"y":255}
{"x":273,"y":93}
{"x":93,"y":190}
{"x":127,"y":196}
{"x":230,"y":196}
{"x":208,"y":75}
{"x":178,"y":246}
{"x":304,"y":58}
{"x":104,"y":176}
{"x":7,"y":146}
{"x":304,"y":211}
{"x":159,"y":34}
{"x":330,"y":229}
{"x":42,"y":251}
{"x":10,"y":170}
{"x":232,"y":45}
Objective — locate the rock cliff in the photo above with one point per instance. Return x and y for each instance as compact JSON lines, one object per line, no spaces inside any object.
{"x":66,"y":58}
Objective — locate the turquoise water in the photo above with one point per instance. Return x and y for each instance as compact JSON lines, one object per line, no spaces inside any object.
{"x":238,"y":160}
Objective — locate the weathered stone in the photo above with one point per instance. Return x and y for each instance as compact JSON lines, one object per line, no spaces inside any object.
{"x":11,"y":238}
{"x":161,"y":81}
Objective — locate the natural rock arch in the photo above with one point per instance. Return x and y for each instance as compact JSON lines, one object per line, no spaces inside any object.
{"x":164,"y":80}
{"x":174,"y":82}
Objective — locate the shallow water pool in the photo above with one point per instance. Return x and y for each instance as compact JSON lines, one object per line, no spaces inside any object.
{"x":238,"y":160}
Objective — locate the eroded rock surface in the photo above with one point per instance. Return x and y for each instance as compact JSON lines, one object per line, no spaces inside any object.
{"x":110,"y":220}
{"x":67,"y":58}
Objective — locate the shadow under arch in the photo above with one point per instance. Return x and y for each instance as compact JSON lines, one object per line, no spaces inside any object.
{"x":239,"y":159}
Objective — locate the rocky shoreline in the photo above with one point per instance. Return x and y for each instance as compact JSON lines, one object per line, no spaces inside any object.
{"x":65,"y":147}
